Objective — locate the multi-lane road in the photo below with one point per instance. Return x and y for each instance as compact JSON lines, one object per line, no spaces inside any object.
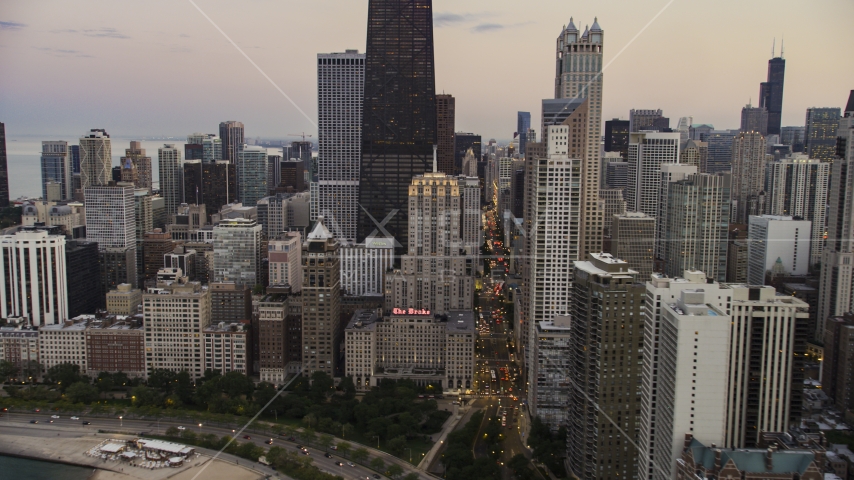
{"x":19,"y":424}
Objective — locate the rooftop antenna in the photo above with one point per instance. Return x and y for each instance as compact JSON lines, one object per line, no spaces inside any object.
{"x":435,"y":164}
{"x":773,"y":47}
{"x":782,"y":39}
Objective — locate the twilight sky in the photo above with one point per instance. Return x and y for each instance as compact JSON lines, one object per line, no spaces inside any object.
{"x":158,"y":67}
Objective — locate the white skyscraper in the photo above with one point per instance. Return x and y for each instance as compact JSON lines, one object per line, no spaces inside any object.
{"x":111,"y":216}
{"x":237,"y":251}
{"x":797,"y":186}
{"x":553,"y":205}
{"x":171,"y":177}
{"x":777,"y":244}
{"x":579,"y":62}
{"x":56,"y":167}
{"x":340,"y":87}
{"x":29,"y":254}
{"x":648,"y":151}
{"x":363,"y":266}
{"x":95,"y":159}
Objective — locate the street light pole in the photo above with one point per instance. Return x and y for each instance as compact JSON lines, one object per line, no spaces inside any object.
{"x":121,"y":422}
{"x":410,"y":455}
{"x":200,"y":429}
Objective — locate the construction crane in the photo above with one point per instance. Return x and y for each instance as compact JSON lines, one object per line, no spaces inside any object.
{"x":303,"y":135}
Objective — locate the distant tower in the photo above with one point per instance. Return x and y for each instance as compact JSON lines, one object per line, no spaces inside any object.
{"x":231,"y":133}
{"x":95,"y":159}
{"x":4,"y":172}
{"x":771,"y":92}
{"x":523,"y":124}
{"x":579,"y":75}
{"x":252,"y":174}
{"x":748,"y":175}
{"x":56,"y":167}
{"x":445,"y":118}
{"x":171,"y":177}
{"x":820,"y":133}
{"x":136,"y":166}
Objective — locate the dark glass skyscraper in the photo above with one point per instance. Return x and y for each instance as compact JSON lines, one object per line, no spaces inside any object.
{"x":523,"y":124}
{"x":771,"y":93}
{"x":399,"y":113}
{"x":617,"y":137}
{"x":4,"y":170}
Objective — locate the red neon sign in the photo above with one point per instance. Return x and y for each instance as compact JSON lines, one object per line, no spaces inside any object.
{"x":410,"y":311}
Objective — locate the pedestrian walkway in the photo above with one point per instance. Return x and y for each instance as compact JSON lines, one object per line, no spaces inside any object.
{"x":450,"y":424}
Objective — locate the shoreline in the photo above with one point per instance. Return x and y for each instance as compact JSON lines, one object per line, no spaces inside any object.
{"x":94,"y":469}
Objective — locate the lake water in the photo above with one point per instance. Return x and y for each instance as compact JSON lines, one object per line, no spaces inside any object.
{"x":24,"y":160}
{"x":25,"y":469}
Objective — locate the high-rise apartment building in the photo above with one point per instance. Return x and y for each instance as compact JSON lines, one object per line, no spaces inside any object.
{"x":633,"y":240}
{"x":768,"y":334}
{"x":322,"y":329}
{"x":820,"y":132}
{"x":124,"y":300}
{"x":252,"y":174}
{"x":340,"y":85}
{"x":748,"y":175}
{"x":754,"y":119}
{"x":662,"y":313}
{"x":228,"y":348}
{"x":551,"y":354}
{"x":471,"y":232}
{"x":648,"y":151}
{"x":175,"y":314}
{"x":95,"y":158}
{"x":283,"y":212}
{"x":797,"y":186}
{"x":171,"y":177}
{"x":835,"y":290}
{"x":237,"y":251}
{"x":614,"y":205}
{"x":771,"y":92}
{"x":203,"y":146}
{"x":445,"y":118}
{"x":115,"y":345}
{"x":606,"y":330}
{"x":523,"y":124}
{"x":435,"y":273}
{"x":670,"y":172}
{"x":400,"y":90}
{"x":579,"y":75}
{"x":648,"y":120}
{"x":231,"y":134}
{"x":284,"y":254}
{"x":736,"y":254}
{"x":551,"y":229}
{"x":695,"y":228}
{"x":230,"y":302}
{"x":838,"y":363}
{"x":33,"y":281}
{"x":56,"y":167}
{"x":617,"y":136}
{"x":777,"y":246}
{"x":4,"y":169}
{"x":136,"y":167}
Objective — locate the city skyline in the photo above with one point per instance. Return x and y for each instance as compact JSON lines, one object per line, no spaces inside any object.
{"x":97,"y":51}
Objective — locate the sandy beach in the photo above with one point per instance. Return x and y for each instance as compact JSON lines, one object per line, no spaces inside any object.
{"x":71,"y":448}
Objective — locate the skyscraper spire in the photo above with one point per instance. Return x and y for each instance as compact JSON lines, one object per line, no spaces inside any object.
{"x":782,"y":40}
{"x":773,"y":47}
